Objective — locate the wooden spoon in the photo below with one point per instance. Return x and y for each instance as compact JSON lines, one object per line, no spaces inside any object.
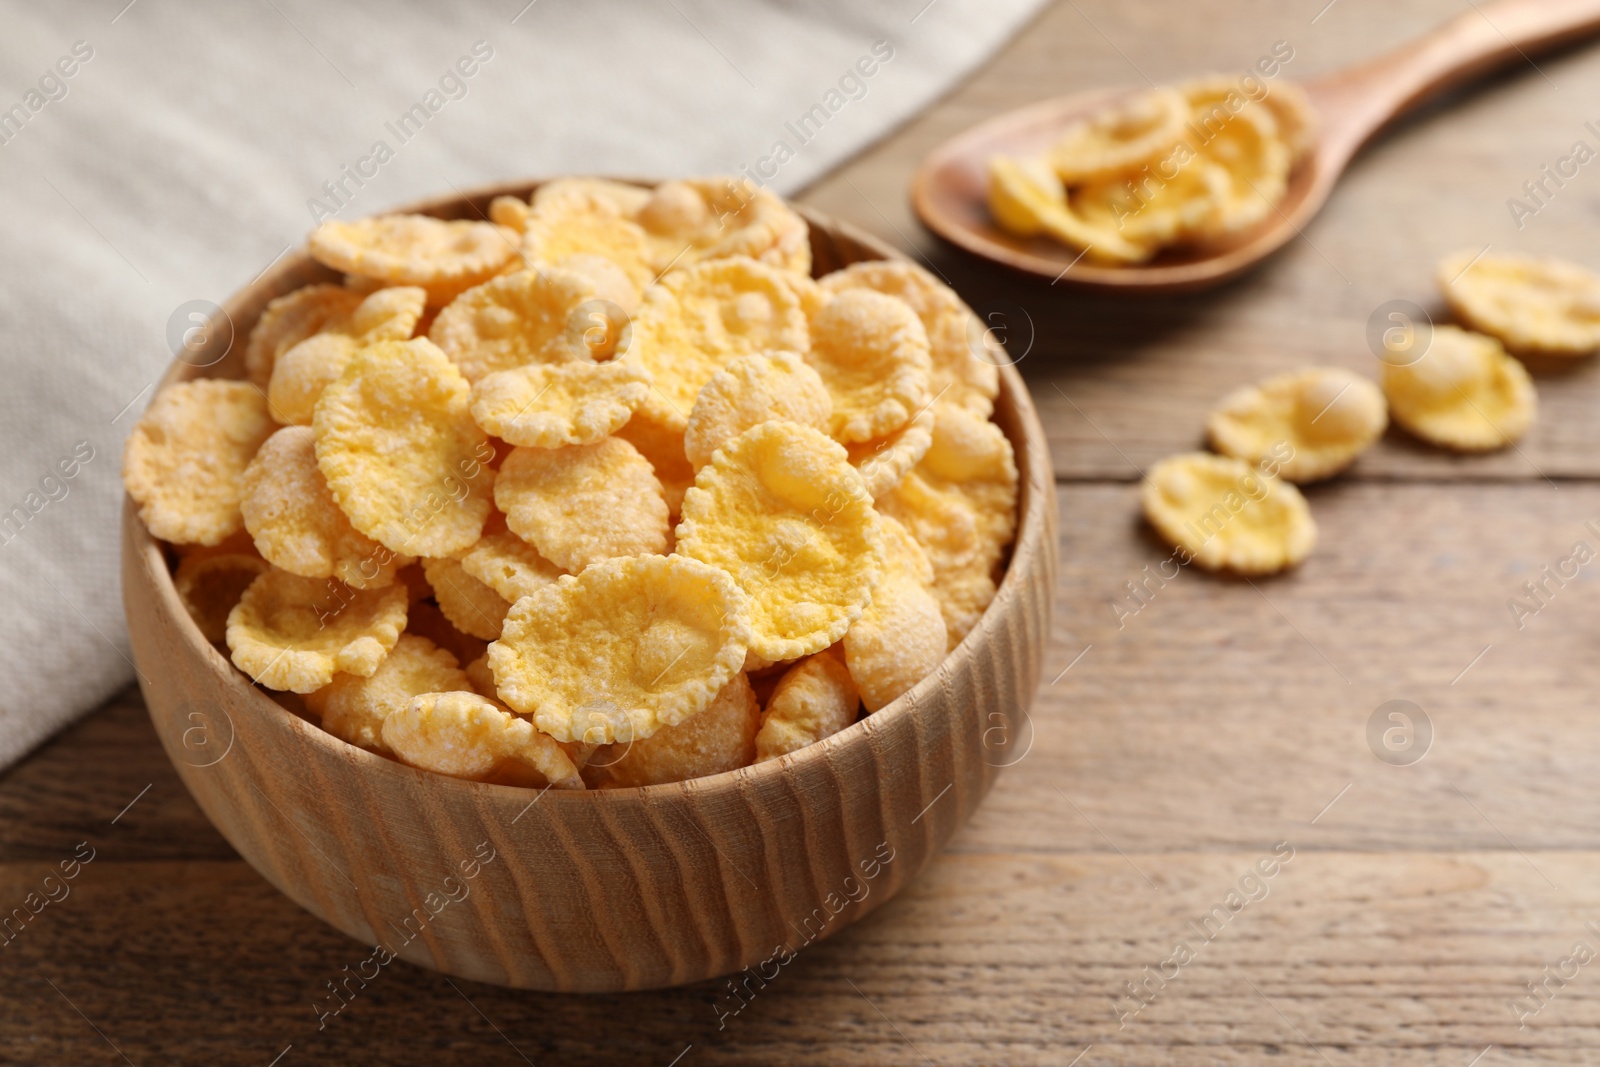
{"x":950,"y":188}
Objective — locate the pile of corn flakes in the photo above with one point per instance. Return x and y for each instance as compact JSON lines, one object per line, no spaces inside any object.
{"x":601,"y":490}
{"x":1174,"y":165}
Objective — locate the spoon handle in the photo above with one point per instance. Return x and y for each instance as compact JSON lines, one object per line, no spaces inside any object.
{"x":1357,"y":101}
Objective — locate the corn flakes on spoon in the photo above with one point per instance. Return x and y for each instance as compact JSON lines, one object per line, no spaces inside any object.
{"x":950,"y":190}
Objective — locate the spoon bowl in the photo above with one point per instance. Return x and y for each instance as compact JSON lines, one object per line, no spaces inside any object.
{"x":950,"y":189}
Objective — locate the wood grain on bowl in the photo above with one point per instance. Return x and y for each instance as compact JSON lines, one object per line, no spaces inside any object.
{"x":596,"y":891}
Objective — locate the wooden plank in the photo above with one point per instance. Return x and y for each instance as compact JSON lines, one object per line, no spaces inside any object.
{"x":1122,"y":382}
{"x":1017,"y":959}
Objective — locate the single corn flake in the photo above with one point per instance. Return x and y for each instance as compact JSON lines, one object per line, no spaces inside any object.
{"x":580,"y":223}
{"x":464,"y":735}
{"x":209,"y":585}
{"x":960,"y":503}
{"x":547,"y":405}
{"x":1027,"y":199}
{"x":401,"y":454}
{"x":1185,"y":207}
{"x":815,"y":698}
{"x":296,"y":524}
{"x":751,"y":390}
{"x":720,"y":738}
{"x":293,"y":633}
{"x":414,"y":249}
{"x":510,"y":212}
{"x":473,"y":607}
{"x":1224,"y":514}
{"x":304,"y":370}
{"x":1214,"y":99}
{"x":1310,"y":424}
{"x":901,"y":637}
{"x":964,"y":355}
{"x":1245,"y":143}
{"x":701,"y":219}
{"x":1535,"y":307}
{"x":512,"y":321}
{"x":872,"y":354}
{"x":627,"y":199}
{"x":699,"y":319}
{"x":583,"y":503}
{"x":182,"y":463}
{"x":884,"y":462}
{"x":1121,"y":138}
{"x":664,"y":448}
{"x":623,"y":649}
{"x":354,"y":709}
{"x":781,"y":510}
{"x":290,"y":319}
{"x":1464,"y":393}
{"x":509,"y":565}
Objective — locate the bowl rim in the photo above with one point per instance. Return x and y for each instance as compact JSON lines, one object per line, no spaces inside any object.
{"x":1035,"y":495}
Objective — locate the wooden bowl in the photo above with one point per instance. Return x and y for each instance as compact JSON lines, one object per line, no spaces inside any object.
{"x":609,"y":890}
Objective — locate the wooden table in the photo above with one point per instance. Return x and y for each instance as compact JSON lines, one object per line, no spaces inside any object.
{"x":1222,"y":726}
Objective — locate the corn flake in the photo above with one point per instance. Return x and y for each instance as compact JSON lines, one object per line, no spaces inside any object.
{"x":293,"y":633}
{"x":547,"y":405}
{"x":958,"y":373}
{"x":815,"y":698}
{"x":703,"y":219}
{"x":509,"y":565}
{"x":1027,"y":199}
{"x":959,"y":503}
{"x":664,"y":448}
{"x":1121,"y":138}
{"x":1187,"y":206}
{"x":627,"y":199}
{"x":884,"y":462}
{"x":583,"y":503}
{"x":303,"y":370}
{"x":465,"y":735}
{"x":902,"y":636}
{"x":579,"y":223}
{"x":1310,"y":424}
{"x":699,"y":319}
{"x":511,"y":212}
{"x":512,"y":321}
{"x":623,"y":649}
{"x":182,"y":463}
{"x":1245,"y":143}
{"x":415,"y":249}
{"x":290,"y":319}
{"x":472,"y":607}
{"x":872,"y":353}
{"x":1224,"y":514}
{"x":751,"y":390}
{"x":1536,"y":307}
{"x":401,"y":454}
{"x":781,"y":510}
{"x":296,"y":524}
{"x":720,"y":738}
{"x":1464,"y":393}
{"x":354,"y":709}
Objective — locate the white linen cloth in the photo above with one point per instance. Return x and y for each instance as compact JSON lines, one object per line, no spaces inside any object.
{"x":153,"y":153}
